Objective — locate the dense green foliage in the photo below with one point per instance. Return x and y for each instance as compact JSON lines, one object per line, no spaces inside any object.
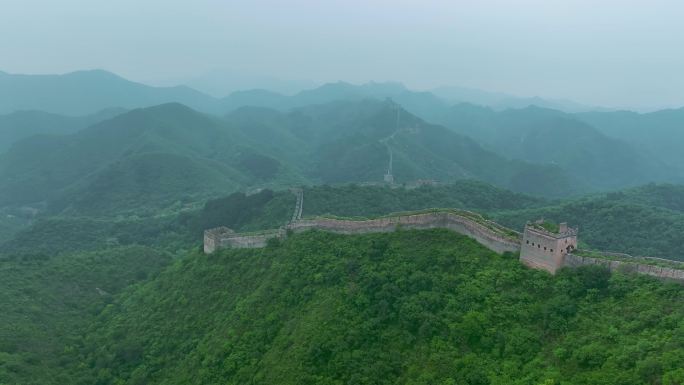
{"x":263,"y":210}
{"x":52,"y":236}
{"x":174,"y":233}
{"x":47,"y":303}
{"x":412,"y":307}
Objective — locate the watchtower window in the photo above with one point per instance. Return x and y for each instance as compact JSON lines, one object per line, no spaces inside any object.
{"x":528,"y":241}
{"x":538,"y":246}
{"x":552,"y":250}
{"x":544,"y":248}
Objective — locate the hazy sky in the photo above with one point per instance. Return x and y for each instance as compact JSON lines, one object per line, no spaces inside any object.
{"x":605,"y":52}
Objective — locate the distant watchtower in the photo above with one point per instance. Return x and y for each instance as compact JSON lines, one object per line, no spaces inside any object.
{"x":545,"y":245}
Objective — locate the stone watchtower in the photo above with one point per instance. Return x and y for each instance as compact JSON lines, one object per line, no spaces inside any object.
{"x":544,"y":245}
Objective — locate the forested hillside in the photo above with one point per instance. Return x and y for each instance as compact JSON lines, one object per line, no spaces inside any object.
{"x":341,"y":193}
{"x":412,"y":307}
{"x":304,"y":281}
{"x":47,"y":302}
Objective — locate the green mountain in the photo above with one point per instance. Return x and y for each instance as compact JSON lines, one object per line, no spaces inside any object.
{"x":90,"y":300}
{"x":84,"y":92}
{"x":412,"y":307}
{"x":351,"y":142}
{"x":148,"y":159}
{"x":142,"y":160}
{"x":584,"y":145}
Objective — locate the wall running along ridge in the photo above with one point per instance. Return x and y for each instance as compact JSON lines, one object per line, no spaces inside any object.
{"x":491,"y":235}
{"x":223,"y":237}
{"x":572,"y":260}
{"x":445,"y":220}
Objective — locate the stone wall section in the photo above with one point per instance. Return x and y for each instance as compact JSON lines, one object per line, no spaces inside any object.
{"x":446,"y":220}
{"x":572,"y":260}
{"x":222,"y":237}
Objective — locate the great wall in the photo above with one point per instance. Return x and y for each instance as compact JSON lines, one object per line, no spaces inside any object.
{"x":539,"y":247}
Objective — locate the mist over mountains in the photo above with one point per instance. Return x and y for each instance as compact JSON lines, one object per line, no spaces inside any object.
{"x":178,"y":144}
{"x":341,"y":192}
{"x":107,"y":185}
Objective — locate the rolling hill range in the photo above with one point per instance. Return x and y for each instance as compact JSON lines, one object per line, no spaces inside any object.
{"x":547,"y":136}
{"x":593,"y":150}
{"x":600,"y":150}
{"x":156,"y":156}
{"x":144,"y":158}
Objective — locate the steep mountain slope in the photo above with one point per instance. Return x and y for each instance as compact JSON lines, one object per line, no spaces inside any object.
{"x":411,"y":307}
{"x":84,"y":92}
{"x":546,"y":136}
{"x":23,"y":124}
